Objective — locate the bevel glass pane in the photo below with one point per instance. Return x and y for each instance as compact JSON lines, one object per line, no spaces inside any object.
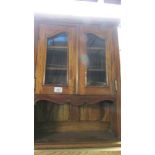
{"x":58,"y":40}
{"x":96,"y":78}
{"x":96,"y":67}
{"x":96,"y":59}
{"x":95,"y":41}
{"x":57,"y":60}
{"x":56,"y":77}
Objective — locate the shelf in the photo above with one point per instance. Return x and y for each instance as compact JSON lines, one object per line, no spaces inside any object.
{"x":56,"y":68}
{"x":96,"y":70}
{"x":58,"y":47}
{"x":84,"y":144}
{"x":56,"y":65}
{"x":73,"y":136}
{"x":75,"y":139}
{"x":95,"y":48}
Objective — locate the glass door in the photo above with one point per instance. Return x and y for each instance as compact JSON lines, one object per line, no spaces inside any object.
{"x":95,"y":60}
{"x":57,"y":60}
{"x":56,"y":55}
{"x":96,"y":67}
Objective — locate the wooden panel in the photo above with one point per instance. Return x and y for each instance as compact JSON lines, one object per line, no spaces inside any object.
{"x":90,"y":112}
{"x":74,"y":99}
{"x":79,"y":144}
{"x":105,"y":151}
{"x":47,"y":111}
{"x":60,"y":112}
{"x":36,"y":38}
{"x":74,"y":113}
{"x":117,"y":115}
{"x":75,"y":140}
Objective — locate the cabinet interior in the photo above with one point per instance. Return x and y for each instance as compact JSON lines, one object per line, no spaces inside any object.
{"x":83,"y":123}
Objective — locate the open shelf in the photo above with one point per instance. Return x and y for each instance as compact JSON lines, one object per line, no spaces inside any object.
{"x":76,"y":140}
{"x":57,"y":126}
{"x":79,"y":137}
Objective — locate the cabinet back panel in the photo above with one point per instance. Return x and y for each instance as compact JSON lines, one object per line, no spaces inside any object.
{"x":47,"y":112}
{"x":81,"y":126}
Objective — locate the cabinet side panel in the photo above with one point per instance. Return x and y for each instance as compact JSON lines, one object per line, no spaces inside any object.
{"x":117,"y":85}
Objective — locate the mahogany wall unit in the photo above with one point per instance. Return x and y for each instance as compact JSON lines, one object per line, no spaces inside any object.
{"x":77,"y":83}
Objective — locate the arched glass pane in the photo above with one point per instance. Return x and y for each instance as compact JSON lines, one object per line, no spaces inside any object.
{"x":58,"y":40}
{"x":96,"y":69}
{"x":94,"y":41}
{"x":57,"y":60}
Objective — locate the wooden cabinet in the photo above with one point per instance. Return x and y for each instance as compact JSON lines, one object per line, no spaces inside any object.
{"x":76,"y":59}
{"x":77,"y":82}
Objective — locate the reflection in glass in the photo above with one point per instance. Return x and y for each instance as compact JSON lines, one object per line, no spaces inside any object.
{"x":58,"y":40}
{"x":95,"y":41}
{"x":56,"y":77}
{"x":96,"y":68}
{"x":96,"y":59}
{"x":57,"y":60}
{"x":96,"y":78}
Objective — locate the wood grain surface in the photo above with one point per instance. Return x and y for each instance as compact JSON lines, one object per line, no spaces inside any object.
{"x":111,"y":151}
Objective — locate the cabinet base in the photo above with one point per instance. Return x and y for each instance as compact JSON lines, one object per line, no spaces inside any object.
{"x":90,"y":151}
